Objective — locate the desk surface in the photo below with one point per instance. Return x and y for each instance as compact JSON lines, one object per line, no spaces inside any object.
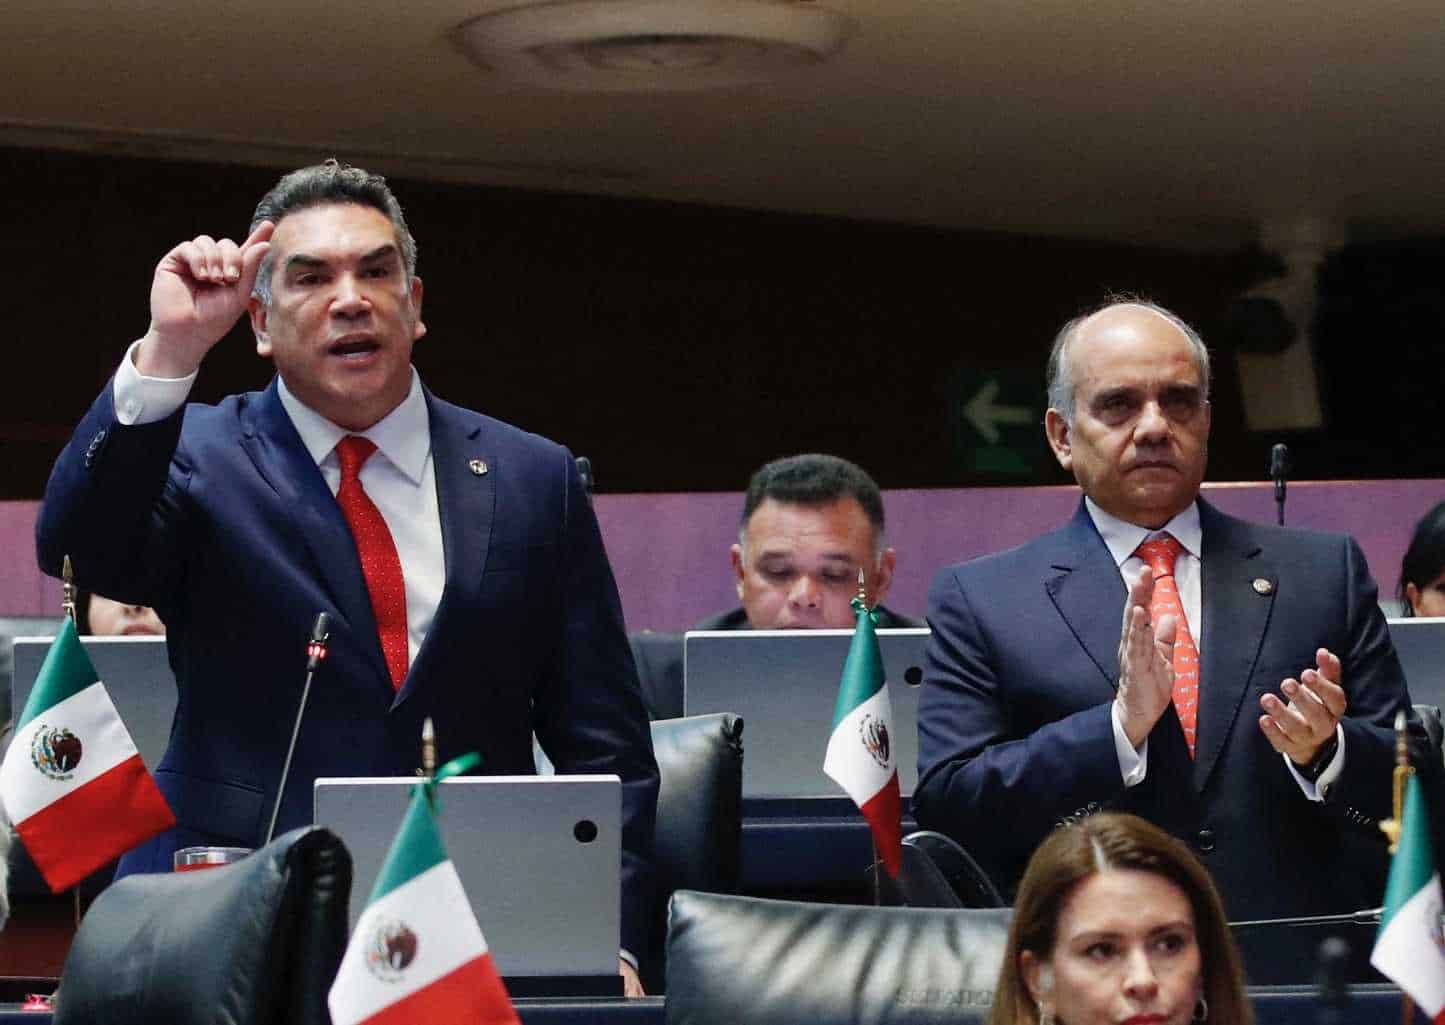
{"x":1281,"y":1005}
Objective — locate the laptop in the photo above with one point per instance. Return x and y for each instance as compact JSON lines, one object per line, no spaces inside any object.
{"x":784,"y":685}
{"x":137,"y":675}
{"x":539,"y":858}
{"x":1420,"y":643}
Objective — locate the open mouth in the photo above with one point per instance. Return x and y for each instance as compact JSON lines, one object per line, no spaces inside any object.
{"x":353,"y":347}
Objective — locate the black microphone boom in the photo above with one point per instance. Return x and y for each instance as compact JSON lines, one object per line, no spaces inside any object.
{"x":315,"y":652}
{"x":1278,"y":471}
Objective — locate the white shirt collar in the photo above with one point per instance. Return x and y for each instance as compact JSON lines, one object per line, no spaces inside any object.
{"x":1123,"y":537}
{"x":403,"y":435}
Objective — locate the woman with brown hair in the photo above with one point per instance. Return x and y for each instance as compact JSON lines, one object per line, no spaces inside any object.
{"x":1117,"y":922}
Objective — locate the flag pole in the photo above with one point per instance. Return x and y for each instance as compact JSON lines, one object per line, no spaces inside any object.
{"x":1393,"y":826}
{"x":67,"y":607}
{"x":872,"y":840}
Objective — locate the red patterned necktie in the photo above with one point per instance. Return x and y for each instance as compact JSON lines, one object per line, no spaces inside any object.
{"x":1160,"y":553}
{"x":380,"y":564}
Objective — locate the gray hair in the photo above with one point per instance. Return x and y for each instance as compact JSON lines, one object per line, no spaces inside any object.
{"x":323,"y":184}
{"x":1060,"y":373}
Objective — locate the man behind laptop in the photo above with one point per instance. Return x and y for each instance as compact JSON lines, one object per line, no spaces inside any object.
{"x":1229,"y":681}
{"x":809,"y":524}
{"x":458,"y":557}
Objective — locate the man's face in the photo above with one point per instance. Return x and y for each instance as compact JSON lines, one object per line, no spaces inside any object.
{"x":343,"y":317}
{"x":797,"y":567}
{"x":1141,"y":423}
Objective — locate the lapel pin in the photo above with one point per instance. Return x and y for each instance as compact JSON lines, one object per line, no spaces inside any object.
{"x":478,"y":466}
{"x":1263,"y":586}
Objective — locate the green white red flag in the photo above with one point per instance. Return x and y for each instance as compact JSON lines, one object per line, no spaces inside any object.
{"x":862,"y":757}
{"x":1409,"y":948}
{"x":73,"y":783}
{"x":417,"y":953}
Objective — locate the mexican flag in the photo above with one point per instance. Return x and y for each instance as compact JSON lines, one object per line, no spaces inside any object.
{"x":1409,"y":948}
{"x":417,"y":953}
{"x":73,"y":782}
{"x":861,"y":757}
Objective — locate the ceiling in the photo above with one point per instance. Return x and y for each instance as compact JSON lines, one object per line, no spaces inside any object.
{"x":1187,"y":122}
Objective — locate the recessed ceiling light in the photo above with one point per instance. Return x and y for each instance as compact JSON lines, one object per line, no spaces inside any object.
{"x":653,"y":45}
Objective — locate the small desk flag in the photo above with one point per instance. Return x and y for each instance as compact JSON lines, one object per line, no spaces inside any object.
{"x":862,"y":755}
{"x":417,"y":953}
{"x":1409,"y":948}
{"x":72,"y":781}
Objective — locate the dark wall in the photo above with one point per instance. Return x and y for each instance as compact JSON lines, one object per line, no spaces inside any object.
{"x":677,"y":346}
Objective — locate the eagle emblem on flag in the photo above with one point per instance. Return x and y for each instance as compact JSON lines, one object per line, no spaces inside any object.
{"x":873,"y":731}
{"x":392,"y":949}
{"x":55,"y":751}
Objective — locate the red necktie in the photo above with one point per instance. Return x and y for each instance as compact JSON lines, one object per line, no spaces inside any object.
{"x":380,"y":564}
{"x":1160,"y":553}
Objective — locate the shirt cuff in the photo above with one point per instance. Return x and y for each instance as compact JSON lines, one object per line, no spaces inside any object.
{"x":628,"y":956}
{"x":1132,"y":764}
{"x":1317,"y":790}
{"x":146,"y":400}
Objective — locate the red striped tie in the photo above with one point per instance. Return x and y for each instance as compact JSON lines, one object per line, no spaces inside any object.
{"x":1160,"y":553}
{"x":380,"y":564}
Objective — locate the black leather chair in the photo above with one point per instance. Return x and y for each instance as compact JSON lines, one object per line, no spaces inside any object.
{"x":699,"y":817}
{"x":1434,"y":734}
{"x":765,"y":962}
{"x":938,"y":873}
{"x":659,"y":670}
{"x":258,"y":941}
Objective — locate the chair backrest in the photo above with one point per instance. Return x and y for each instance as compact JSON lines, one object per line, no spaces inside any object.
{"x":699,"y":815}
{"x":765,"y":962}
{"x":257,"y":941}
{"x":1434,"y":734}
{"x":659,"y":670}
{"x":937,"y":872}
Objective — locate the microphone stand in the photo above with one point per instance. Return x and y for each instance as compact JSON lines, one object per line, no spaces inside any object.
{"x":1278,"y":470}
{"x":1365,"y":916}
{"x":315,"y":652}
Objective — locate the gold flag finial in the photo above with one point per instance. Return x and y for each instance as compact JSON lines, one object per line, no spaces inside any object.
{"x":1391,"y":827}
{"x":67,"y":589}
{"x":428,"y":748}
{"x":862,"y":586}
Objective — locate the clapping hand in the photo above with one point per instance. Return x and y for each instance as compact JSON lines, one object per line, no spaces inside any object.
{"x":1146,"y":662}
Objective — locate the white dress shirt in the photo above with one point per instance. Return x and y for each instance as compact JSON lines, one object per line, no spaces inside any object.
{"x":1123,"y":540}
{"x":398,"y":477}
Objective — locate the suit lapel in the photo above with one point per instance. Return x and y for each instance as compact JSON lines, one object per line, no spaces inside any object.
{"x":466,"y":470}
{"x":1236,"y":615}
{"x":1088,"y":591}
{"x":270,"y":440}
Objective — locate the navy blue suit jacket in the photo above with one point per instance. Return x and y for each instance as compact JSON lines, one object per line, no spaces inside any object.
{"x":218,"y":517}
{"x":1015,"y":734}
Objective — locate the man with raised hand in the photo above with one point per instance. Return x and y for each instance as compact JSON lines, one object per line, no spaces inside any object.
{"x":457,"y":556}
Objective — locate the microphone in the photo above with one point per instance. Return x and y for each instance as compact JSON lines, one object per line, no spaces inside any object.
{"x":1332,"y":981}
{"x":1278,"y":470}
{"x":315,"y":652}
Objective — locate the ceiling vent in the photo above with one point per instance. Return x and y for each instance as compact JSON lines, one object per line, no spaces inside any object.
{"x":653,"y":45}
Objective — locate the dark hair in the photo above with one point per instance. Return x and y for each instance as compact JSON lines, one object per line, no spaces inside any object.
{"x":1099,"y":843}
{"x":1425,"y":558}
{"x":815,"y":479}
{"x":326,"y":183}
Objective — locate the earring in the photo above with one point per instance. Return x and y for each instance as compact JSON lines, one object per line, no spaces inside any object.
{"x":1046,"y":1014}
{"x":1201,"y":1011}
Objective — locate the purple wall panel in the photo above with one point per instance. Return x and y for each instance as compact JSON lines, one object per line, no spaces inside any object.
{"x":670,"y":551}
{"x":24,"y":590}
